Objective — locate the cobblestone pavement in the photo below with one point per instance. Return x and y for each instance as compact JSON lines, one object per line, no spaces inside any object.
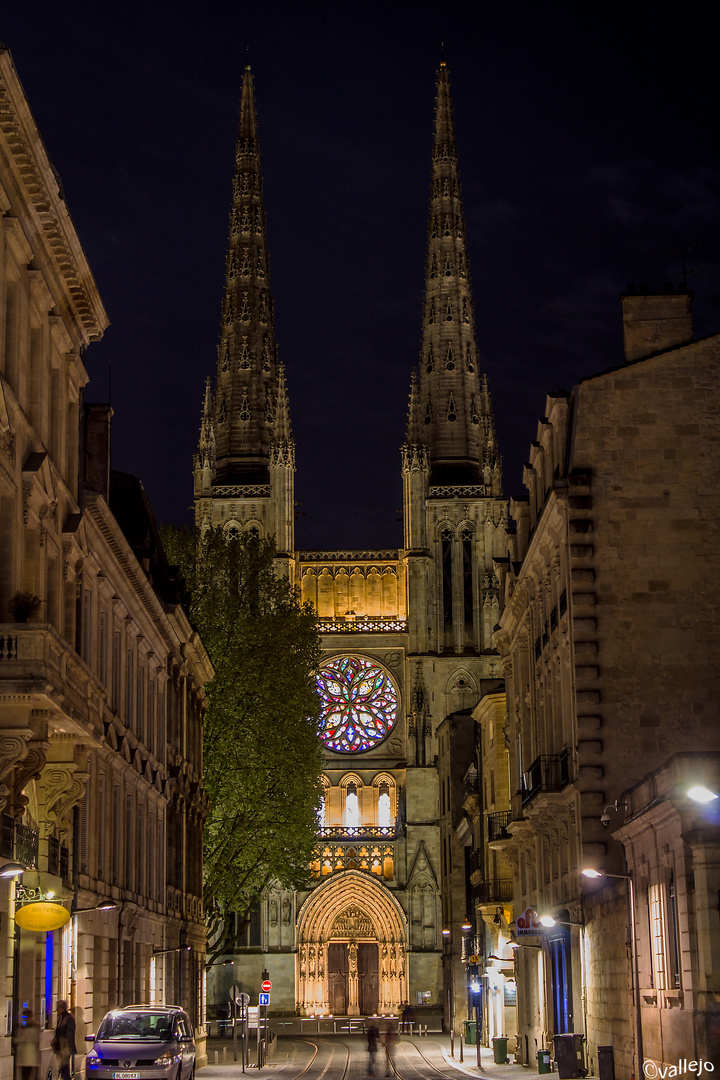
{"x":345,"y":1057}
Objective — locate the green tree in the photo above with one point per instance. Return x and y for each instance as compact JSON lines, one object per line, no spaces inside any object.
{"x":262,"y":755}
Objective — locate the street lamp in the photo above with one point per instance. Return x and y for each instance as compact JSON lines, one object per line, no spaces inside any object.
{"x":12,"y":869}
{"x":699,"y":793}
{"x":591,"y":872}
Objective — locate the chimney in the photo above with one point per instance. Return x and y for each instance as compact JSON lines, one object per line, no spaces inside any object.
{"x":97,"y":448}
{"x":653,"y":322}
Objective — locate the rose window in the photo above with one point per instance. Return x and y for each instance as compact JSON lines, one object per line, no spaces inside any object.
{"x":359,"y":704}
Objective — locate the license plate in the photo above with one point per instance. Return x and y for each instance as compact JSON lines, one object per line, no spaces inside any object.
{"x":126,"y":1076}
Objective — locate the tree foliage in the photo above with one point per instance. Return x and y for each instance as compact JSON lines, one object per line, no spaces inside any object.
{"x":262,"y":755}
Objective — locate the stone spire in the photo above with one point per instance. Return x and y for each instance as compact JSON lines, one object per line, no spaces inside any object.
{"x":450,"y":413}
{"x":248,"y":381}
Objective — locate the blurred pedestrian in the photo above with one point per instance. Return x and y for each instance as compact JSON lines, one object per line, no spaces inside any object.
{"x":372,"y":1037}
{"x":391,"y":1039}
{"x":64,"y":1039}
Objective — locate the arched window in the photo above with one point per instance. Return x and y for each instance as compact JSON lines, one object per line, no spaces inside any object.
{"x":352,"y":806}
{"x":384,"y":806}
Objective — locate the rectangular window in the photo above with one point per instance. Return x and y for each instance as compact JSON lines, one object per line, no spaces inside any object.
{"x":129,"y":689}
{"x":129,"y":860}
{"x":86,"y":606}
{"x":152,"y":732}
{"x":84,"y":824}
{"x":116,"y":672}
{"x":673,"y":936}
{"x":151,"y":857}
{"x":141,"y":704}
{"x":657,"y":936}
{"x":140,"y":852}
{"x":101,"y":828}
{"x":102,"y":648}
{"x":116,"y":836}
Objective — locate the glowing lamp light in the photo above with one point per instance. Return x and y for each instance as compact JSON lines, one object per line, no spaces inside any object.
{"x":547,"y":920}
{"x":446,"y":932}
{"x":467,"y":925}
{"x":475,"y":986}
{"x":589,"y":872}
{"x":699,"y":793}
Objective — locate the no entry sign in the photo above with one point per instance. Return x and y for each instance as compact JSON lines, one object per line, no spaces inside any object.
{"x":266,"y":986}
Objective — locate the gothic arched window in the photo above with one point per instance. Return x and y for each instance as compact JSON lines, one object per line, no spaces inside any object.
{"x":359,"y":704}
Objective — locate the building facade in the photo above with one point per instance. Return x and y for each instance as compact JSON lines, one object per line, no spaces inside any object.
{"x":608,"y":639}
{"x":407,"y":634}
{"x":101,"y":675}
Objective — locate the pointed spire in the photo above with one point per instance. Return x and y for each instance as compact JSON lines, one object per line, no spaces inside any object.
{"x":452,"y":416}
{"x":245,"y":411}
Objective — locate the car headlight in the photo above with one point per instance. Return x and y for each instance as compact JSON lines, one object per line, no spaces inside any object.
{"x":166,"y":1059}
{"x":92,"y":1059}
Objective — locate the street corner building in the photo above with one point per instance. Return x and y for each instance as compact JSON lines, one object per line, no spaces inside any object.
{"x":101,"y":674}
{"x":517,"y":694}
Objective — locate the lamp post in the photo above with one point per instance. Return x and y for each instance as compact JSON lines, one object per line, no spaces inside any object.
{"x":589,"y":872}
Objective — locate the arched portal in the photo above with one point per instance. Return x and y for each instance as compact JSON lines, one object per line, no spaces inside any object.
{"x":352,"y":936}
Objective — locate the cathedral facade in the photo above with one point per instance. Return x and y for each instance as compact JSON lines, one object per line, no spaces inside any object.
{"x":406,"y":633}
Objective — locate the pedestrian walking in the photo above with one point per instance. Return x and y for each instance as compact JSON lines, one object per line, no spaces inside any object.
{"x":391,"y":1039}
{"x":64,"y":1039}
{"x":373,"y":1036}
{"x":26,"y":1044}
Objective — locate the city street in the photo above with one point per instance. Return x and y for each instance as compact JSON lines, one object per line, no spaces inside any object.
{"x":345,"y":1057}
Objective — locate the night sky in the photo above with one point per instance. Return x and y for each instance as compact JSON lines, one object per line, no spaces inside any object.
{"x":587,"y":142}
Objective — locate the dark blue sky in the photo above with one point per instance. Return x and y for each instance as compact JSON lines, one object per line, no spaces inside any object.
{"x":587,"y":140}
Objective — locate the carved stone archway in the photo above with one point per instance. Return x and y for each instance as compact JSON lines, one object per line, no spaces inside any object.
{"x":351,"y":908}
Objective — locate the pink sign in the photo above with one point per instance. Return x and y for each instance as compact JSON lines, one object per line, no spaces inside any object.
{"x":528,"y":922}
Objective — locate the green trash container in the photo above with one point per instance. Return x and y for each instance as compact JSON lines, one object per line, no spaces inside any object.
{"x":470,"y":1032}
{"x":500,"y":1049}
{"x":543,"y":1061}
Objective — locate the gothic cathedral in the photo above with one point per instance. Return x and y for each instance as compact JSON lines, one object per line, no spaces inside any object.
{"x":407,"y":634}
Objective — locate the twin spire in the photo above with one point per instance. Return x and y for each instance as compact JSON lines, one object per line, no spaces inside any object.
{"x":248,"y":420}
{"x":245,"y":428}
{"x":451,"y":429}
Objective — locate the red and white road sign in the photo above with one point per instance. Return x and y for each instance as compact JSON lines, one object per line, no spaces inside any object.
{"x":266,"y":986}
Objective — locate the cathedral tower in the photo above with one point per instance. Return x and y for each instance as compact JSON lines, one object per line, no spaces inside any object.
{"x":245,"y":464}
{"x":451,"y":466}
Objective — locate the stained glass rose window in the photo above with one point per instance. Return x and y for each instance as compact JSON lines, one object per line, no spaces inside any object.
{"x":358,"y":704}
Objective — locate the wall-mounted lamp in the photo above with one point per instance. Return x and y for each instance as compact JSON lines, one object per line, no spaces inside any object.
{"x":178,"y":948}
{"x":467,"y":925}
{"x":445,"y":932}
{"x":497,"y":917}
{"x":106,"y":905}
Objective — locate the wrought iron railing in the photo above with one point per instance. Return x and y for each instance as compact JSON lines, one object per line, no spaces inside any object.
{"x":53,"y":855}
{"x":497,"y":825}
{"x":547,"y":773}
{"x":26,"y":846}
{"x":493,"y":891}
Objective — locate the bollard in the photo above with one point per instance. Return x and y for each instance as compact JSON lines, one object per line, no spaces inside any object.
{"x":452,"y":1044}
{"x":217,"y":1058}
{"x":224,"y":1054}
{"x":461,"y":1049}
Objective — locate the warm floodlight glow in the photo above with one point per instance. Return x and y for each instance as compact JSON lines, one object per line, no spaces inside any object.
{"x":446,"y":932}
{"x":699,"y":793}
{"x":467,"y":925}
{"x":589,"y":872}
{"x":547,"y":920}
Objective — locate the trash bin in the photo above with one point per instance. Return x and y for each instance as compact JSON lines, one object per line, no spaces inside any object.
{"x":470,"y":1032}
{"x":569,"y":1056}
{"x":500,"y":1049}
{"x":543,"y":1061}
{"x":606,"y":1063}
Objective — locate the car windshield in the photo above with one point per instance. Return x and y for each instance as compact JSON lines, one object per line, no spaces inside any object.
{"x":146,"y":1025}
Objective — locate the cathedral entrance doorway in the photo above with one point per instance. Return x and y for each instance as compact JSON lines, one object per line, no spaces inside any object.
{"x":351,"y":948}
{"x":346,"y":961}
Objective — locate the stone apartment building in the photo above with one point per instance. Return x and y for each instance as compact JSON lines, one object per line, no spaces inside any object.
{"x":609,"y":643}
{"x":101,"y":689}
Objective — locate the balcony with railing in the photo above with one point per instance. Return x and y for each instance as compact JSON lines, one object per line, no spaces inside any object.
{"x":58,"y":859}
{"x":493,"y":891}
{"x":497,"y":825}
{"x":546,"y":774}
{"x":27,"y":843}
